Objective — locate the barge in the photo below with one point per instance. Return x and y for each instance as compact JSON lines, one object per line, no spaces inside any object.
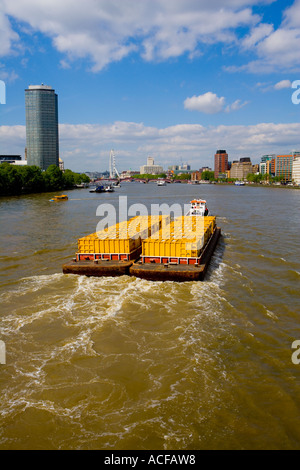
{"x":153,"y":248}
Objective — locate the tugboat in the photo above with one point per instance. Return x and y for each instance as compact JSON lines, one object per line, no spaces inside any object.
{"x":198,"y":207}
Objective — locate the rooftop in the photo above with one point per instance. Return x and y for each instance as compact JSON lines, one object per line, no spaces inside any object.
{"x":39,"y":87}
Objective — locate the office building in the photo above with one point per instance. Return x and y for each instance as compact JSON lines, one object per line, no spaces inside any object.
{"x":13,"y":160}
{"x":265,"y":166}
{"x":196,"y":175}
{"x":42,"y":147}
{"x":240,"y":169}
{"x":151,"y":168}
{"x":284,"y":166}
{"x":221,"y":162}
{"x":185,"y":166}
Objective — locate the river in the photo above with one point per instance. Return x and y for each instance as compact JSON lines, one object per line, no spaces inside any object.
{"x":124,"y":363}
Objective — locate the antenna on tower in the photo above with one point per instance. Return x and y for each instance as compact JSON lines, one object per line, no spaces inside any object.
{"x":113,"y":172}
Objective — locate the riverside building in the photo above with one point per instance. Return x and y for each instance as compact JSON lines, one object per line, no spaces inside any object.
{"x":221,"y":162}
{"x":240,"y":169}
{"x":284,"y":166}
{"x":150,"y":168}
{"x":265,"y":166}
{"x":296,"y":168}
{"x":42,"y":146}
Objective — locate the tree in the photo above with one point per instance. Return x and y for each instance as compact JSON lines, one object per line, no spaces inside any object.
{"x":69,"y":178}
{"x":10,"y":179}
{"x":80,"y":178}
{"x":208,"y":175}
{"x":54,"y":178}
{"x":183,"y":176}
{"x":32,"y":179}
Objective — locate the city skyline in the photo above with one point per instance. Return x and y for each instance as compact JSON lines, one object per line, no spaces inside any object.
{"x":172,"y":82}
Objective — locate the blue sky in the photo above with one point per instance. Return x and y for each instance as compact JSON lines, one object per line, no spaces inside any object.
{"x":175,"y":80}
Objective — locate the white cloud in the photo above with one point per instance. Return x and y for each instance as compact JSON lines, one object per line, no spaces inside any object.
{"x":109,"y":30}
{"x":256,"y":35}
{"x":7,"y":75}
{"x":276,"y":50}
{"x":282,"y":84}
{"x":280,"y":49}
{"x":237,"y":104}
{"x":208,"y":103}
{"x":86,"y":147}
{"x":292,"y":15}
{"x":7,"y":35}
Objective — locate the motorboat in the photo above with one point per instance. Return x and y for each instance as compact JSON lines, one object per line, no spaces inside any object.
{"x":161,"y":182}
{"x":198,"y":207}
{"x":239,"y":183}
{"x":109,"y":188}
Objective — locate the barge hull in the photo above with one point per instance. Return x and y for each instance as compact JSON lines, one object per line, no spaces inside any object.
{"x":98,"y":268}
{"x":180,"y":272}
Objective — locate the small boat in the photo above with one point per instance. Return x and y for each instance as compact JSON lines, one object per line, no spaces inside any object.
{"x":198,"y":207}
{"x":109,"y":188}
{"x":99,"y":189}
{"x":161,"y":182}
{"x":63,"y":197}
{"x":239,"y":183}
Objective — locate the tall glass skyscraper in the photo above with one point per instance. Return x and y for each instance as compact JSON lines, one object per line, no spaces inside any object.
{"x":41,"y":126}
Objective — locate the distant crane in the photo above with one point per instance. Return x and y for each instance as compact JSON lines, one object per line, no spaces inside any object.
{"x":113,"y":172}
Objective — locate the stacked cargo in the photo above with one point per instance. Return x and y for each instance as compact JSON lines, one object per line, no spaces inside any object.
{"x":181,"y":242}
{"x":122,"y":241}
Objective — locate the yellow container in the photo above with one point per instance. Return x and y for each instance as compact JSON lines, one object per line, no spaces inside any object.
{"x":183,"y":237}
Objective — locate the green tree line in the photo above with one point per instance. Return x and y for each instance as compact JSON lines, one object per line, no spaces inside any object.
{"x":16,"y":180}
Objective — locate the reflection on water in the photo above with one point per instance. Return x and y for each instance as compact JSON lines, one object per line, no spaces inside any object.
{"x":123,"y":363}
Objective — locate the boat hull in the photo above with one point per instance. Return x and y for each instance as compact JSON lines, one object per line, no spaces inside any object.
{"x":98,"y":268}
